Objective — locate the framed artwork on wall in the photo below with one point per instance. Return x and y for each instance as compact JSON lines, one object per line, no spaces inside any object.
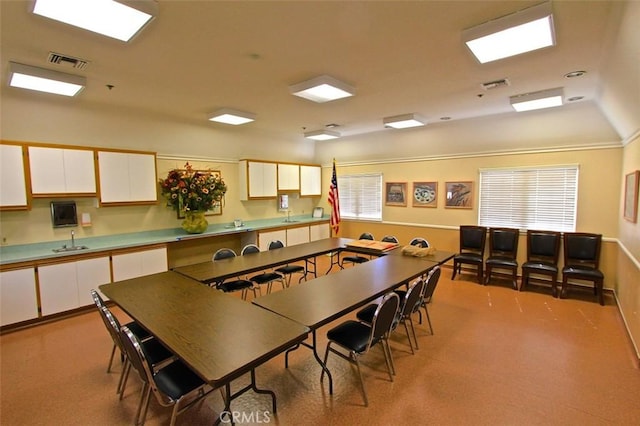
{"x":631,"y":196}
{"x":396,"y":194}
{"x":459,"y":195}
{"x":216,"y":210}
{"x":425,"y":194}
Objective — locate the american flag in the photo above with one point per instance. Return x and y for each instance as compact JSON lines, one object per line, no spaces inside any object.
{"x":334,"y":201}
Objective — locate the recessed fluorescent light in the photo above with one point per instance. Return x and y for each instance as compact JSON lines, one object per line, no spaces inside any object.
{"x":322,"y":89}
{"x":537,"y":100}
{"x":404,"y":121}
{"x":44,"y":80}
{"x":120,"y":19}
{"x":524,"y":31}
{"x":322,"y":135}
{"x":231,"y":116}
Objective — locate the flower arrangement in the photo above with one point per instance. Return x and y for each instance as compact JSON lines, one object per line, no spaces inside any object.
{"x":191,"y":190}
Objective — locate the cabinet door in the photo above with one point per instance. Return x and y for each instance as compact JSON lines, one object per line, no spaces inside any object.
{"x":61,"y":171}
{"x":18,"y":300}
{"x":142,"y":177}
{"x":90,"y":274}
{"x":58,"y":287}
{"x":310,"y":180}
{"x":288,"y":177}
{"x":126,"y":177}
{"x":154,"y":261}
{"x":297,"y":235}
{"x":319,"y":232}
{"x":145,"y":262}
{"x":264,"y":238}
{"x":13,"y":188}
{"x":262,"y":180}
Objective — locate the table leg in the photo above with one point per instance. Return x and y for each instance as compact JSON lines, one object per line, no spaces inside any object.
{"x":314,"y":348}
{"x":335,"y":260}
{"x":228,"y":416}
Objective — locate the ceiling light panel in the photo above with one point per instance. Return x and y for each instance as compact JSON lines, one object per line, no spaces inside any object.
{"x":511,"y":35}
{"x":232,"y":116}
{"x":537,"y":100}
{"x":44,"y":80}
{"x":404,"y":121}
{"x":120,"y":19}
{"x":322,"y":135}
{"x":322,"y":89}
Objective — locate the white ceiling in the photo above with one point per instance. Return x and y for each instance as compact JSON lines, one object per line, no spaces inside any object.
{"x":401,"y":56}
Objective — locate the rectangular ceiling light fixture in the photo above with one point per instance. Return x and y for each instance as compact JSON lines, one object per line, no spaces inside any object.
{"x":537,"y":100}
{"x":120,"y":19}
{"x":523,"y":31}
{"x":404,"y":121}
{"x":322,"y":89}
{"x":232,"y":116}
{"x":322,"y":135}
{"x":44,"y":80}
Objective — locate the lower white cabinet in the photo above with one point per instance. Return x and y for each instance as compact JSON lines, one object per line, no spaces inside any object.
{"x":18,"y":299}
{"x":264,"y":238}
{"x":319,"y":232}
{"x":137,"y":264}
{"x":66,"y":286}
{"x":297,"y":235}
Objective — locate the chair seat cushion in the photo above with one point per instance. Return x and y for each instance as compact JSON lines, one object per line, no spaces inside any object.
{"x":502,"y":262}
{"x":351,"y":334}
{"x":235,"y":285}
{"x":468,"y":258}
{"x":577,"y":271}
{"x":176,"y":380}
{"x":266,"y":277}
{"x":541,"y":267}
{"x":355,"y":259}
{"x":290,"y":269}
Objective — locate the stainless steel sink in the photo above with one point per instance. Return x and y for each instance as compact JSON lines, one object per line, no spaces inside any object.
{"x":290,"y":221}
{"x":72,"y":248}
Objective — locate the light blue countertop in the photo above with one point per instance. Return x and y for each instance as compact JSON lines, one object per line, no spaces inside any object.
{"x":41,"y":251}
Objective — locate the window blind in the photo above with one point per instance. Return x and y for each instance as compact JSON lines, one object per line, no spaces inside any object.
{"x":361,"y":196}
{"x":529,"y":198}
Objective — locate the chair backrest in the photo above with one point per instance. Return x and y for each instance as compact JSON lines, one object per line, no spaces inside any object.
{"x":420,"y":242}
{"x":97,"y":299}
{"x":543,"y":246}
{"x":366,"y":236}
{"x":431,"y":283}
{"x":223,"y":253}
{"x":113,"y":326}
{"x":503,"y":242}
{"x":250,"y":248}
{"x":390,"y":239}
{"x":582,"y":249}
{"x":275,"y":245}
{"x":412,"y":298}
{"x":384,"y":317}
{"x":473,"y":238}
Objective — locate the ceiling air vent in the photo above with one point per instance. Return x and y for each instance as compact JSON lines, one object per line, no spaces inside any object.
{"x":496,"y":84}
{"x":66,"y":60}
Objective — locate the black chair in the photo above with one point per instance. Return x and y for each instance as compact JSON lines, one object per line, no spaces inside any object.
{"x":409,"y":304}
{"x":503,"y":252}
{"x":582,"y":260}
{"x":472,"y":243}
{"x":429,"y":288}
{"x":289,"y":269}
{"x":357,"y":337}
{"x":172,"y":385}
{"x":390,"y":239}
{"x":355,"y":259}
{"x":419,"y":242}
{"x":266,"y":277}
{"x":229,"y":286}
{"x":543,"y":252}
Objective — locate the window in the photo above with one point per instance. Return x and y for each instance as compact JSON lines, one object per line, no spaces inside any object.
{"x":542,"y":198}
{"x":361,"y":196}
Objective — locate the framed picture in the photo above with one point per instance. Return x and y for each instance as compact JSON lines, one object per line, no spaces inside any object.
{"x":396,"y":194}
{"x":631,"y":196}
{"x":425,"y":194}
{"x":459,"y":195}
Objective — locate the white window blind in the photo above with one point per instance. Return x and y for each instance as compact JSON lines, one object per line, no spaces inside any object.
{"x":360,"y":196}
{"x":542,"y":198}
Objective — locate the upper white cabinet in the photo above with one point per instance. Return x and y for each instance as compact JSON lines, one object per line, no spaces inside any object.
{"x":61,"y":172}
{"x":127,"y":178}
{"x":13,"y":187}
{"x":310,"y":180}
{"x":288,"y":177}
{"x":257,"y":179}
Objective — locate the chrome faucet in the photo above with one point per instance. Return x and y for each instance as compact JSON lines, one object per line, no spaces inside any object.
{"x":288,"y":215}
{"x":73,"y":240}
